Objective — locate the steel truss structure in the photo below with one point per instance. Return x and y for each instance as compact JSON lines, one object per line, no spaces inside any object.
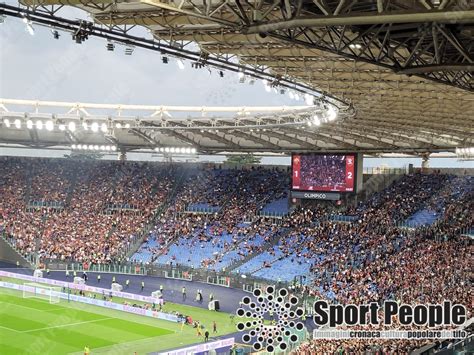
{"x":207,"y":129}
{"x":403,"y":67}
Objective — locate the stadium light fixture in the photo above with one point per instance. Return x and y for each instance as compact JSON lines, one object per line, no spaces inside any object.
{"x":17,"y":123}
{"x":29,"y":124}
{"x":49,"y":125}
{"x":71,"y":126}
{"x":39,"y":125}
{"x":29,"y":26}
{"x":180,"y":64}
{"x":127,"y":125}
{"x":355,"y":46}
{"x":129,"y":50}
{"x":6,"y":121}
{"x":297,"y":97}
{"x":291,"y":95}
{"x":62,"y":127}
{"x":118,"y":125}
{"x":85,"y":126}
{"x":241,"y":76}
{"x":114,"y":148}
{"x":164,"y":59}
{"x":309,"y":99}
{"x":95,"y":127}
{"x":55,"y":34}
{"x":331,"y":113}
{"x":103,"y":127}
{"x":73,"y":146}
{"x":110,"y":46}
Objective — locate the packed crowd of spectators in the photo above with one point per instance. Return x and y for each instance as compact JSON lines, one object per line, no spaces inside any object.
{"x":86,"y":228}
{"x":322,"y":171}
{"x":105,"y":205}
{"x":365,"y":261}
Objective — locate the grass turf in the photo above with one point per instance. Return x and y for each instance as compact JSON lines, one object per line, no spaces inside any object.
{"x":34,"y":326}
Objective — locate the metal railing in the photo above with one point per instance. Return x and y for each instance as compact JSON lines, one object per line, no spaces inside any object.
{"x":202,"y":210}
{"x":39,"y":204}
{"x":385,"y":170}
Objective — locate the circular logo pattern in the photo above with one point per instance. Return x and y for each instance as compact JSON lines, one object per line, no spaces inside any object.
{"x":277,"y":307}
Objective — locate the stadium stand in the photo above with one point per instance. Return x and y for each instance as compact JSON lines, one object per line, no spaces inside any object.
{"x":90,"y":211}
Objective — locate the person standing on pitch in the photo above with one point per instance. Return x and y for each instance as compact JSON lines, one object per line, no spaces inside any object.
{"x":211,"y":297}
{"x":127,"y":283}
{"x":143,"y":285}
{"x":67,"y":273}
{"x":98,"y":279}
{"x":214,"y":327}
{"x":161,"y":289}
{"x":206,"y":335}
{"x":183,"y":291}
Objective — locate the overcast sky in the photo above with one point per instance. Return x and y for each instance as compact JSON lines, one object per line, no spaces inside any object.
{"x":39,"y":67}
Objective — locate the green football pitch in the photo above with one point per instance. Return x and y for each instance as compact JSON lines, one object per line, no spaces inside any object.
{"x":34,"y":326}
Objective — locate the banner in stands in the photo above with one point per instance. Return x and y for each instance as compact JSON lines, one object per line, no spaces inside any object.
{"x":224,"y":344}
{"x":88,"y":300}
{"x":333,"y":196}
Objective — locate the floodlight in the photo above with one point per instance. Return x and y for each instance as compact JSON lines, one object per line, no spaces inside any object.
{"x":49,"y":125}
{"x":71,"y":126}
{"x":95,"y":127}
{"x":331,"y":113}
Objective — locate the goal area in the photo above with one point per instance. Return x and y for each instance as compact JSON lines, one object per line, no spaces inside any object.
{"x":35,"y":290}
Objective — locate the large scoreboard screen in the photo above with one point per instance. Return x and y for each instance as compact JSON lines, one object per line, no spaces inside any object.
{"x":323,"y":172}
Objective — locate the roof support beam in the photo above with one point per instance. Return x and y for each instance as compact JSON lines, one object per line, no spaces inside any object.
{"x":366,"y":19}
{"x":420,"y":69}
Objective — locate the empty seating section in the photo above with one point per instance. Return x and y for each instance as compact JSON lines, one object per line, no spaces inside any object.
{"x":276,"y":208}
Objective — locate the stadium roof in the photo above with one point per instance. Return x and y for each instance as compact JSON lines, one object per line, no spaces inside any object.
{"x":404,"y":67}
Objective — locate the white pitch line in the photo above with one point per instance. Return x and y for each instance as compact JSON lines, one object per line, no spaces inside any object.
{"x":11,"y":329}
{"x":65,"y":325}
{"x":35,"y":309}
